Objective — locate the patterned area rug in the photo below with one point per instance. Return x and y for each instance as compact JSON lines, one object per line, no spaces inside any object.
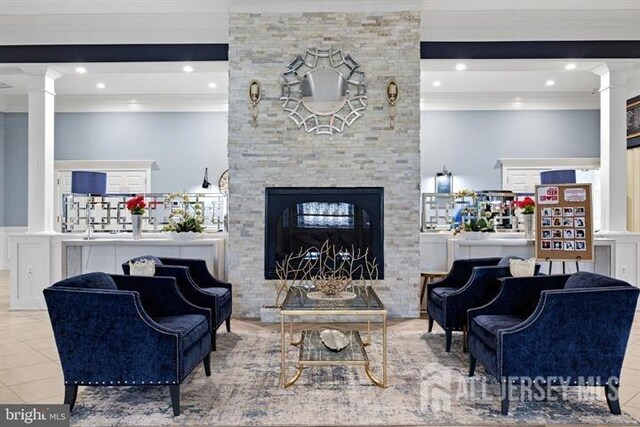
{"x":426,"y":387}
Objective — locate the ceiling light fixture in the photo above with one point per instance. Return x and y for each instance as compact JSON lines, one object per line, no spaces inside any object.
{"x":549,"y":83}
{"x":81,"y":70}
{"x":212,"y":85}
{"x":570,"y":66}
{"x":517,"y":99}
{"x":101,"y":85}
{"x":436,"y":83}
{"x":461,"y":67}
{"x":133,"y":101}
{"x":187,"y":68}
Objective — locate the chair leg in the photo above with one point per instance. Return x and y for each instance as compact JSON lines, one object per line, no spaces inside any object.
{"x":70,"y":394}
{"x":228,"y":323}
{"x":207,"y":365}
{"x":613,"y":394}
{"x":213,"y":340}
{"x":472,"y":365}
{"x":504,"y":400}
{"x":174,"y":390}
{"x":447,"y":335}
{"x":430,"y":323}
{"x":464,"y":338}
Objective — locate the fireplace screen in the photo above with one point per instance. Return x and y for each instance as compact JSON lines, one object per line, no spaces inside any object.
{"x":300,"y":218}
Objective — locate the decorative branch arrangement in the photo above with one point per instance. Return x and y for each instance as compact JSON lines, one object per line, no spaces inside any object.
{"x":326,"y":265}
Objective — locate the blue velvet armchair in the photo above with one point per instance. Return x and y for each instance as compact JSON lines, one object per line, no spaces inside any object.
{"x":449,"y":299}
{"x":561,"y":329}
{"x":198,"y":286}
{"x":114,"y":330}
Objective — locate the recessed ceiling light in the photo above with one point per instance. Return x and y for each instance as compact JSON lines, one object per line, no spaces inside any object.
{"x":549,"y":83}
{"x":212,"y":85}
{"x":517,"y":99}
{"x":570,"y":66}
{"x":436,"y":83}
{"x":461,"y":67}
{"x":81,"y":70}
{"x":101,"y":85}
{"x":517,"y":103}
{"x":133,"y":101}
{"x":187,"y":68}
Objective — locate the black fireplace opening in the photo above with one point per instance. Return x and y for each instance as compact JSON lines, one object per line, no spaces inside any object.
{"x":298,"y":218}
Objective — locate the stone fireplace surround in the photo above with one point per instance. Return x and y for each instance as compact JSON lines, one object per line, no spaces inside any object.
{"x":368,"y":154}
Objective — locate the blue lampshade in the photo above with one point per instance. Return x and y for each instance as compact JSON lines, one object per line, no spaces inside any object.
{"x":86,"y":182}
{"x":558,"y":177}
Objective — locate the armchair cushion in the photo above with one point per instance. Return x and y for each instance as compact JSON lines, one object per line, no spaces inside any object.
{"x":153,"y":258}
{"x":589,"y":280}
{"x":438,"y":294}
{"x":505,"y":261}
{"x":223,"y":294}
{"x":88,"y":281}
{"x":486,"y":327}
{"x":192,"y":327}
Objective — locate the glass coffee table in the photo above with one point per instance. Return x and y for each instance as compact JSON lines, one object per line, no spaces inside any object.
{"x":360,"y":303}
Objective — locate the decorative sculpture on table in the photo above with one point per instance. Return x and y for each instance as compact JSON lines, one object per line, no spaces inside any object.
{"x":330,"y":270}
{"x":324,"y":91}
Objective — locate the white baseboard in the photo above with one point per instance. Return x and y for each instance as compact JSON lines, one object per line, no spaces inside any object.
{"x":4,"y":244}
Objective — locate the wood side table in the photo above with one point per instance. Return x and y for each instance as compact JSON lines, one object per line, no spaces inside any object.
{"x":428,"y":277}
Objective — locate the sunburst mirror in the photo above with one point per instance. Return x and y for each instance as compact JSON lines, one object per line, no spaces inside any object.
{"x":324,"y":91}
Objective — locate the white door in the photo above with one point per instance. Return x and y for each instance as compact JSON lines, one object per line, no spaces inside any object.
{"x":118,"y":181}
{"x":522,"y":180}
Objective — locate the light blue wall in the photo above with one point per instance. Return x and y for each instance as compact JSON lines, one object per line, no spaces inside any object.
{"x":467,"y":142}
{"x":181,"y":144}
{"x":15,"y":169}
{"x":470,"y":142}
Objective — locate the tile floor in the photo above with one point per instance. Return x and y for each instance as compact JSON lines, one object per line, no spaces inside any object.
{"x":30,"y":371}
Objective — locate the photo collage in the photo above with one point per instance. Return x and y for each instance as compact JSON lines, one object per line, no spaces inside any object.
{"x":563,"y":229}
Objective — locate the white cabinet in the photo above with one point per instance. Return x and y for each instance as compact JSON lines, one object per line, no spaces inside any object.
{"x":107,"y":255}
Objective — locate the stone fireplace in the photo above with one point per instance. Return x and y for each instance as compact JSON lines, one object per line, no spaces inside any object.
{"x":369,"y":154}
{"x":349,"y":218}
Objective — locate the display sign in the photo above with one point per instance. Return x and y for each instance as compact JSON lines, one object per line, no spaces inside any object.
{"x":633,"y":122}
{"x":564,"y":222}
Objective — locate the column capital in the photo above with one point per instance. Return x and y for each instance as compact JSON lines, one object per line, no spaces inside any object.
{"x":41,"y":78}
{"x":42,"y":71}
{"x":613,"y":74}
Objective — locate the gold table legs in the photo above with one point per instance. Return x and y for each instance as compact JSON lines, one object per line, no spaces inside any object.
{"x":286,"y":382}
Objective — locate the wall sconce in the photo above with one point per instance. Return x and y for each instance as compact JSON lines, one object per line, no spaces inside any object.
{"x":205,"y":181}
{"x":444,"y":181}
{"x":255,"y":94}
{"x":391,"y":93}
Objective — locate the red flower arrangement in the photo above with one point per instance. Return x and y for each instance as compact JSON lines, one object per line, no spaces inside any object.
{"x":136,"y":205}
{"x":527,"y":205}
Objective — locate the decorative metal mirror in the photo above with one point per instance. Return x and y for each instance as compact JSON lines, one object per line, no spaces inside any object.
{"x":324,"y":91}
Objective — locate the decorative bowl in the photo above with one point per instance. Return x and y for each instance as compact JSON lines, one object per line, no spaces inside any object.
{"x":331,"y":285}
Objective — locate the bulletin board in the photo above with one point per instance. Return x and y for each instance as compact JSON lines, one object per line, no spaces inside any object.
{"x":564,"y":222}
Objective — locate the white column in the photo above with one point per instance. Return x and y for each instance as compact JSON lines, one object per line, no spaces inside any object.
{"x":41,"y":146}
{"x":613,"y":146}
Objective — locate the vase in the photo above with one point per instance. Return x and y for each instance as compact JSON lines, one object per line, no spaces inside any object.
{"x":528,"y":226}
{"x":136,"y":226}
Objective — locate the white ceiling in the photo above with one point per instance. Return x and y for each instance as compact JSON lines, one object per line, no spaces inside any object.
{"x":485,"y":84}
{"x":206,"y":21}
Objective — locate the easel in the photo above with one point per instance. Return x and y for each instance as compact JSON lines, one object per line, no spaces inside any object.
{"x":564,"y":265}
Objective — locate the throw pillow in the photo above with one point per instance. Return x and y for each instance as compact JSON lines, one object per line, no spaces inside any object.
{"x":522,"y":267}
{"x":143,"y":267}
